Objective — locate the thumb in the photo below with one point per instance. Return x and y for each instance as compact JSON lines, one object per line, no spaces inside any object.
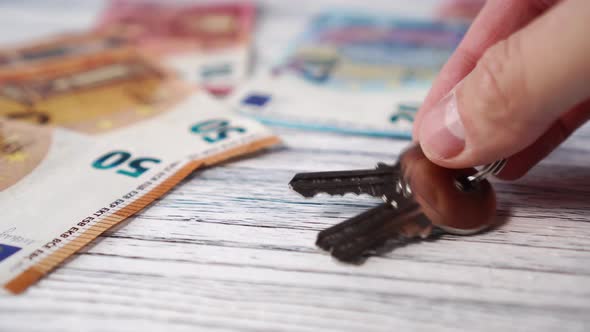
{"x":518,"y":89}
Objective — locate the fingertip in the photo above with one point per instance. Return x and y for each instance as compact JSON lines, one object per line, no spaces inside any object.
{"x":441,"y":133}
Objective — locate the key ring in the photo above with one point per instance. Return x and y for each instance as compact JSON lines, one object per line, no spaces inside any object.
{"x":470,"y":182}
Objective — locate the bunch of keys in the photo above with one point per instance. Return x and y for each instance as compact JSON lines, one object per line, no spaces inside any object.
{"x":421,"y":200}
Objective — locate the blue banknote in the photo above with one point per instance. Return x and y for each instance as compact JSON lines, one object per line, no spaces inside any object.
{"x":352,"y":73}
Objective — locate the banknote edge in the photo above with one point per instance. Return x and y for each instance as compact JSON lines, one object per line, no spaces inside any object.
{"x":34,"y":273}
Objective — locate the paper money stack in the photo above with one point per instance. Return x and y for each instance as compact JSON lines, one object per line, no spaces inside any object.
{"x":95,"y":125}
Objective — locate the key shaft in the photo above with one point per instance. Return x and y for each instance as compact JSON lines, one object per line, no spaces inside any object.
{"x":378,"y":182}
{"x":376,"y":230}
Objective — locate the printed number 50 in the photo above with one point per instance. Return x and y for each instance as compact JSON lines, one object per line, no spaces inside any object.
{"x":215,"y":130}
{"x":117,"y":158}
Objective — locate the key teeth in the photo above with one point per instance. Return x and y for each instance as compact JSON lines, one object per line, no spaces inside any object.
{"x":339,"y":255}
{"x":387,"y":196}
{"x":374,"y":233}
{"x":350,"y":259}
{"x":373,"y":182}
{"x":385,"y":166}
{"x":313,"y":194}
{"x":321,"y":244}
{"x":358,"y":253}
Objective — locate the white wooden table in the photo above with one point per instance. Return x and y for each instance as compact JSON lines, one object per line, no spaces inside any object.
{"x":232,"y":248}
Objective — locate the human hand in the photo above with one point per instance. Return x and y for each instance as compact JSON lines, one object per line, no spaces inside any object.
{"x":517,"y":86}
{"x":460,"y":9}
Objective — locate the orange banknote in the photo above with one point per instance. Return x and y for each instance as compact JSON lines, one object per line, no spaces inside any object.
{"x":90,"y":94}
{"x":112,"y":131}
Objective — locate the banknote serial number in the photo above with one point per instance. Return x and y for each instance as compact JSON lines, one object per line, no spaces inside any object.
{"x":98,"y":214}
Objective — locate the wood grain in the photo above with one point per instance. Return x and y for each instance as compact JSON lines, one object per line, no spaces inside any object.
{"x":243,"y":257}
{"x":232,"y":248}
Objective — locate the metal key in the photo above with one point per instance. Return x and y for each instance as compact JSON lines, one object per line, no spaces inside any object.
{"x":421,"y":200}
{"x":378,"y":182}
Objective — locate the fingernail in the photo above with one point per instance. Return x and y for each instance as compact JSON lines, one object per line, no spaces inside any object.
{"x":442,"y":134}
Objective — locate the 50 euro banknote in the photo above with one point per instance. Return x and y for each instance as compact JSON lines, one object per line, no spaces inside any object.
{"x":87,"y":142}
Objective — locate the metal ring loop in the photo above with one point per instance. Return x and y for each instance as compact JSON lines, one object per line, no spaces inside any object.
{"x":470,"y":182}
{"x":493,"y":169}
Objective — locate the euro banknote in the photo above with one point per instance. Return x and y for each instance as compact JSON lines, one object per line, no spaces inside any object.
{"x":207,"y":43}
{"x":89,"y":141}
{"x":352,"y":72}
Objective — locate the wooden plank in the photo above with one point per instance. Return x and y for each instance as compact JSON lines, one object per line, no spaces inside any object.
{"x":242,"y":257}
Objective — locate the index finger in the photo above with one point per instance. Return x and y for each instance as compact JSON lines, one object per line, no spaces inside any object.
{"x":497,"y":20}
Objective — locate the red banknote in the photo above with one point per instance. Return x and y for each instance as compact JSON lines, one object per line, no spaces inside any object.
{"x":206,"y":43}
